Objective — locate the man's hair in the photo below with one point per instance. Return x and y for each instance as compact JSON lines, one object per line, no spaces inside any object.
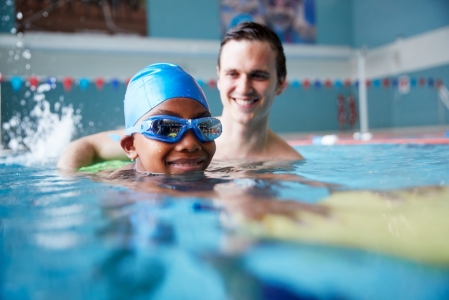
{"x":251,"y":31}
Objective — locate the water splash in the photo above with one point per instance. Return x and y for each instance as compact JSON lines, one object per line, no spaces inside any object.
{"x":40,"y":137}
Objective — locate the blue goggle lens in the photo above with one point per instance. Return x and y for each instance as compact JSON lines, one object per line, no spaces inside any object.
{"x":171,"y":129}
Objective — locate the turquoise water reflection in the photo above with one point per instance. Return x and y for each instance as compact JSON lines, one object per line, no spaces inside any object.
{"x":68,"y":237}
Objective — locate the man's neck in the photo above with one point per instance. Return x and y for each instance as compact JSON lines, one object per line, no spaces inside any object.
{"x":242,"y":140}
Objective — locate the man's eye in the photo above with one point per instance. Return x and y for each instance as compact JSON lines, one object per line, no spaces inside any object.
{"x":260,"y":76}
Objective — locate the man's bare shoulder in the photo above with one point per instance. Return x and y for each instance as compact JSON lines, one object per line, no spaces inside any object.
{"x":280,"y":149}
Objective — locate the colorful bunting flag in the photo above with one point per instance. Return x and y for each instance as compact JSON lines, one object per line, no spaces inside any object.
{"x":67,"y":82}
{"x":402,"y":83}
{"x":338,"y":83}
{"x":296,"y":83}
{"x":99,"y":83}
{"x":200,"y":82}
{"x":306,"y":83}
{"x":115,"y":83}
{"x":84,"y":84}
{"x":394,"y":83}
{"x":376,"y":83}
{"x":33,"y":81}
{"x":16,"y":83}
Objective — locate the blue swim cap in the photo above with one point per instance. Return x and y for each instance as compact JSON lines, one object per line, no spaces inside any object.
{"x":156,"y":83}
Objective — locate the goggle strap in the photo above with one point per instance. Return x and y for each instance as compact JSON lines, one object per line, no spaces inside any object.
{"x":138,"y":128}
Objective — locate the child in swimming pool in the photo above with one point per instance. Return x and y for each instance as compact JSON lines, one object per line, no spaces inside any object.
{"x":169,"y":128}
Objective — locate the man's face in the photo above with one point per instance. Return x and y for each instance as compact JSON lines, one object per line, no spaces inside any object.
{"x":280,"y":13}
{"x":247,"y":80}
{"x":187,"y":155}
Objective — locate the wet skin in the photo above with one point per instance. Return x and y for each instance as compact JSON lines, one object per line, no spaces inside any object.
{"x":186,"y":156}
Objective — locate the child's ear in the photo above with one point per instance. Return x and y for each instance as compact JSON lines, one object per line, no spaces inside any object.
{"x":127,"y":143}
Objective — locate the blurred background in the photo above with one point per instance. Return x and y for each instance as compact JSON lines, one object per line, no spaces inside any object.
{"x":81,"y":54}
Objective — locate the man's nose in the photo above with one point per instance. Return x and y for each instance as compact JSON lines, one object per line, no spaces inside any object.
{"x":244,"y":85}
{"x":189,"y":142}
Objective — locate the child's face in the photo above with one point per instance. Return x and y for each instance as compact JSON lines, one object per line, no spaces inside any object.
{"x":187,"y":155}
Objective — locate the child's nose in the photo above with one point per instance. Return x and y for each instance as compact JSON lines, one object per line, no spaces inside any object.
{"x":189,"y":142}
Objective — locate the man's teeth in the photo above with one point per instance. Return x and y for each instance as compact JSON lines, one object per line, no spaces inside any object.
{"x":244,"y":102}
{"x":190,"y":165}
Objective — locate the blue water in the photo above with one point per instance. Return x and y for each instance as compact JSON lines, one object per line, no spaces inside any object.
{"x":70,"y":237}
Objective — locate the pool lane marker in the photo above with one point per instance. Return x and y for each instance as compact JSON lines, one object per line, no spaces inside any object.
{"x":398,"y":141}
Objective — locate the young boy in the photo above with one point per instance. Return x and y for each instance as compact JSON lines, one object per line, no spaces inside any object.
{"x":169,"y":128}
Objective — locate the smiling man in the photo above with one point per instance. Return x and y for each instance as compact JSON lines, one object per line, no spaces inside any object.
{"x":251,"y":73}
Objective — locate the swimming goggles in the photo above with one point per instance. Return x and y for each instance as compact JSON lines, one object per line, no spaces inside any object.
{"x":171,"y":129}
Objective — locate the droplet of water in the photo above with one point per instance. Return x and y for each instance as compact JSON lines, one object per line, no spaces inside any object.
{"x":13,"y":30}
{"x":19,"y":16}
{"x":14,"y":121}
{"x":39,"y":97}
{"x":28,"y":66}
{"x":13,"y":145}
{"x":16,"y":57}
{"x":45,"y":87}
{"x":23,"y":102}
{"x":26,"y":54}
{"x":45,"y":14}
{"x":19,"y":44}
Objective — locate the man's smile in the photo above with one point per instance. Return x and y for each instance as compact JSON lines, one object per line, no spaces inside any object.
{"x":245,"y":102}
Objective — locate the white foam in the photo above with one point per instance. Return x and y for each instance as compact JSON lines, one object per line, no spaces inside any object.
{"x":40,"y":137}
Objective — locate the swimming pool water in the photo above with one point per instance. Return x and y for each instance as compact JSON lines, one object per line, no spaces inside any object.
{"x":69,"y":237}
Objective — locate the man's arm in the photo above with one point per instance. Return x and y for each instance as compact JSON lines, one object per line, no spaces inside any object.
{"x":91,"y":149}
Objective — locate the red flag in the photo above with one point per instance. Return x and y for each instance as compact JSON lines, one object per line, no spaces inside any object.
{"x":33,"y":81}
{"x":67,"y":82}
{"x":99,"y":83}
{"x":306,"y":83}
